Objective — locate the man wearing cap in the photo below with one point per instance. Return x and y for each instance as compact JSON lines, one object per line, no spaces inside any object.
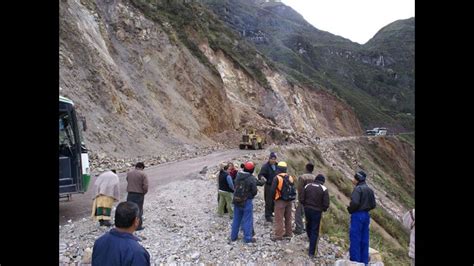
{"x":268,"y":171}
{"x":302,"y":181}
{"x":247,"y":183}
{"x":362,"y":201}
{"x":315,"y":199}
{"x":283,"y":208}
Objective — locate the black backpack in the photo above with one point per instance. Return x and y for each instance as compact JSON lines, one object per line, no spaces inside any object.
{"x":288,"y":190}
{"x":240,"y":193}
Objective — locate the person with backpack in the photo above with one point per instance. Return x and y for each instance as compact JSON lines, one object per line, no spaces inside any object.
{"x":409,"y":222}
{"x":268,"y":172}
{"x":245,"y":190}
{"x":362,"y":201}
{"x":302,"y":181}
{"x":283,"y":192}
{"x":315,"y":199}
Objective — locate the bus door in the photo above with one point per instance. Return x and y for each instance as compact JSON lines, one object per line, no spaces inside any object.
{"x":69,"y":152}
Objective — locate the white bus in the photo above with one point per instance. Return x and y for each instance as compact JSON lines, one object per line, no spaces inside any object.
{"x":378,"y":131}
{"x":74,"y":172}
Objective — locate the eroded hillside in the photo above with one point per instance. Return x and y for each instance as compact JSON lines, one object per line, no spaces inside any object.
{"x":144,"y":92}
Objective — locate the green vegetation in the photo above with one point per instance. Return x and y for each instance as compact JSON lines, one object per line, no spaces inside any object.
{"x":390,"y":255}
{"x":335,"y":224}
{"x":344,"y":184}
{"x":387,"y":173}
{"x":392,"y":226}
{"x":393,"y":189}
{"x":408,"y":138}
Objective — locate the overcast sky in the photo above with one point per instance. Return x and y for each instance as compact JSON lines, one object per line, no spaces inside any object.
{"x":356,"y":20}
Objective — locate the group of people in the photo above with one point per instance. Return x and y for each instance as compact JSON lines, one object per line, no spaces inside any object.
{"x":237,"y":191}
{"x":119,"y":246}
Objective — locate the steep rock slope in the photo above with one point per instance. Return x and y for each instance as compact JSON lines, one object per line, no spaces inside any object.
{"x":145,"y":91}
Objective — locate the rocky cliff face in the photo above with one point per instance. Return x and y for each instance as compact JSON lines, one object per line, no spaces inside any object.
{"x":143,"y":92}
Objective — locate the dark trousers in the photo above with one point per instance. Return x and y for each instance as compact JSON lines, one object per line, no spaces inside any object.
{"x":313,"y":220}
{"x":138,"y":198}
{"x":269,"y":206}
{"x":359,"y":237}
{"x":299,"y":213}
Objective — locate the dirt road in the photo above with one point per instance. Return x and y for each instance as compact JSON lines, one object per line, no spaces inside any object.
{"x":80,"y":204}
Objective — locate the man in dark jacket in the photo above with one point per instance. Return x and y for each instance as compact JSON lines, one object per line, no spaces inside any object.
{"x":268,"y":171}
{"x":315,"y":199}
{"x":362,"y":201}
{"x":137,"y":187}
{"x":301,"y":182}
{"x":243,"y":212}
{"x":119,"y":246}
{"x":226,"y":188}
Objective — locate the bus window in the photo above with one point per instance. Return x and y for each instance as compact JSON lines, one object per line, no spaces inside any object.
{"x":66,"y":133}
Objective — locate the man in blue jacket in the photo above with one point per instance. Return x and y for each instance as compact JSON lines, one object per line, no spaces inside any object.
{"x":119,"y":246}
{"x":362,"y":201}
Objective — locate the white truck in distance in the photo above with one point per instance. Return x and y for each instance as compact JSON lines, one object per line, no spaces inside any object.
{"x":378,"y":131}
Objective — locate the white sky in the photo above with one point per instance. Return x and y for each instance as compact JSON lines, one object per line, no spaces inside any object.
{"x":356,"y":20}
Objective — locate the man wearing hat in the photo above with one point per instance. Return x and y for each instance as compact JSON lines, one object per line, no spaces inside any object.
{"x":315,"y":200}
{"x":268,"y":171}
{"x":362,"y":201}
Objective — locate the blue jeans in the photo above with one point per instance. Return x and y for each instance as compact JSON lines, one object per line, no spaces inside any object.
{"x":313,"y":219}
{"x":243,"y":216}
{"x":359,"y":237}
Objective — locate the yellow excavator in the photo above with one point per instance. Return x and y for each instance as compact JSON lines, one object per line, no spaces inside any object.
{"x":251,"y":140}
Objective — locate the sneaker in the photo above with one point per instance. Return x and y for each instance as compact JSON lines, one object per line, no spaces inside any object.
{"x":269,"y":219}
{"x":287,"y":236}
{"x":140,"y":228}
{"x":276,"y":238}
